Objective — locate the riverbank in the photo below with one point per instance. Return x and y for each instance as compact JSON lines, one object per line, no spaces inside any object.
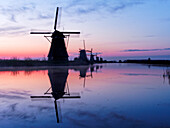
{"x":151,"y":62}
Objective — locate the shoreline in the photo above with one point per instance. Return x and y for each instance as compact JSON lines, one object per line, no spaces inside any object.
{"x":15,"y":65}
{"x":165,"y":63}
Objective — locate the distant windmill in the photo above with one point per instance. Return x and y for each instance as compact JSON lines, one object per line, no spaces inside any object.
{"x":97,"y":58}
{"x":58,"y":51}
{"x":83,"y":55}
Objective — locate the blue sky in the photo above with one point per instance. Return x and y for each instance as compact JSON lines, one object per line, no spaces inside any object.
{"x":113,"y":27}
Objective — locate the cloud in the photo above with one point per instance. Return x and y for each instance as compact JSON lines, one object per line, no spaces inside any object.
{"x":123,"y":6}
{"x":87,"y":7}
{"x":30,"y":11}
{"x":13,"y":30}
{"x":41,"y":16}
{"x":149,"y":36}
{"x":144,"y":50}
{"x":13,"y":18}
{"x":13,"y":11}
{"x":138,"y":74}
{"x":86,"y":11}
{"x":10,"y":28}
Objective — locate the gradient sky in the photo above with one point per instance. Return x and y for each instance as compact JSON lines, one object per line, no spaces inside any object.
{"x":113,"y":27}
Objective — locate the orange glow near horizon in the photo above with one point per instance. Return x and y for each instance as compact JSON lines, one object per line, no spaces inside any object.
{"x":38,"y":47}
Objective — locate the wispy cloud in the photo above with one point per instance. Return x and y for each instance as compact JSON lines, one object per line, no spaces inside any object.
{"x":10,"y":28}
{"x":123,"y":6}
{"x":150,"y":36}
{"x":139,"y":74}
{"x":13,"y":18}
{"x":144,"y":50}
{"x":83,"y":8}
{"x":13,"y":11}
{"x":43,"y":16}
{"x":13,"y":30}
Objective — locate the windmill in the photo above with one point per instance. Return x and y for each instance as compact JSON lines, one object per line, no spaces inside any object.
{"x":97,"y":58}
{"x":58,"y":51}
{"x":91,"y":55}
{"x":83,"y":55}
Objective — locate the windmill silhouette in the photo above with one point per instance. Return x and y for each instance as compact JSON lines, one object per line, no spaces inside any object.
{"x":59,"y":88}
{"x":58,"y":51}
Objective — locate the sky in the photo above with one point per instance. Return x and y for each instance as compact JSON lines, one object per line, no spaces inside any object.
{"x":116,"y":28}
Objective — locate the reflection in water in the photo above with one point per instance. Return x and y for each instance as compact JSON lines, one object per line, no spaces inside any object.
{"x":59,"y":85}
{"x":26,"y":72}
{"x":167,"y":75}
{"x":58,"y":80}
{"x":83,"y":74}
{"x":15,"y":73}
{"x":119,"y":95}
{"x":84,"y":70}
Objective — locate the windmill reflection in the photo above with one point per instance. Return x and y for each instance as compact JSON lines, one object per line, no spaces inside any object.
{"x":58,"y":80}
{"x":167,"y":75}
{"x":59,"y":86}
{"x":84,"y":71}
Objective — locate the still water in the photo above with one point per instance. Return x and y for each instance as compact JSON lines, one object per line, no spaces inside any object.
{"x":109,"y":95}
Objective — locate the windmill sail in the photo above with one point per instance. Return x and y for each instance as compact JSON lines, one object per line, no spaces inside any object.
{"x":40,"y":32}
{"x":55,"y":23}
{"x":58,"y":51}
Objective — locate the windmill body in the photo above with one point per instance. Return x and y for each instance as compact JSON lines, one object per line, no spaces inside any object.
{"x":58,"y":50}
{"x":83,"y":55}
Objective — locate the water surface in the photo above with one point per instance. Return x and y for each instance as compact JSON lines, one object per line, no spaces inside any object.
{"x":111,"y":95}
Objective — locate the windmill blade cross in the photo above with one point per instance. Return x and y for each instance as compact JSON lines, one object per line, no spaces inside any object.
{"x":70,"y":32}
{"x":55,"y":23}
{"x":59,"y":17}
{"x":40,"y":32}
{"x":64,"y":97}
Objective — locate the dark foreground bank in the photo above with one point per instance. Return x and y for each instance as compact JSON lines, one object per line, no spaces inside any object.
{"x":148,"y":61}
{"x":31,"y":63}
{"x":35,"y":63}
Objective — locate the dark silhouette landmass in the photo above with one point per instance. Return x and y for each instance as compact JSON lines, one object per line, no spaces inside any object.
{"x":31,"y":63}
{"x":39,"y":63}
{"x":149,"y":61}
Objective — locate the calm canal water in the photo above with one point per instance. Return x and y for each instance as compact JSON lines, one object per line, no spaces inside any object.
{"x":109,"y":95}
